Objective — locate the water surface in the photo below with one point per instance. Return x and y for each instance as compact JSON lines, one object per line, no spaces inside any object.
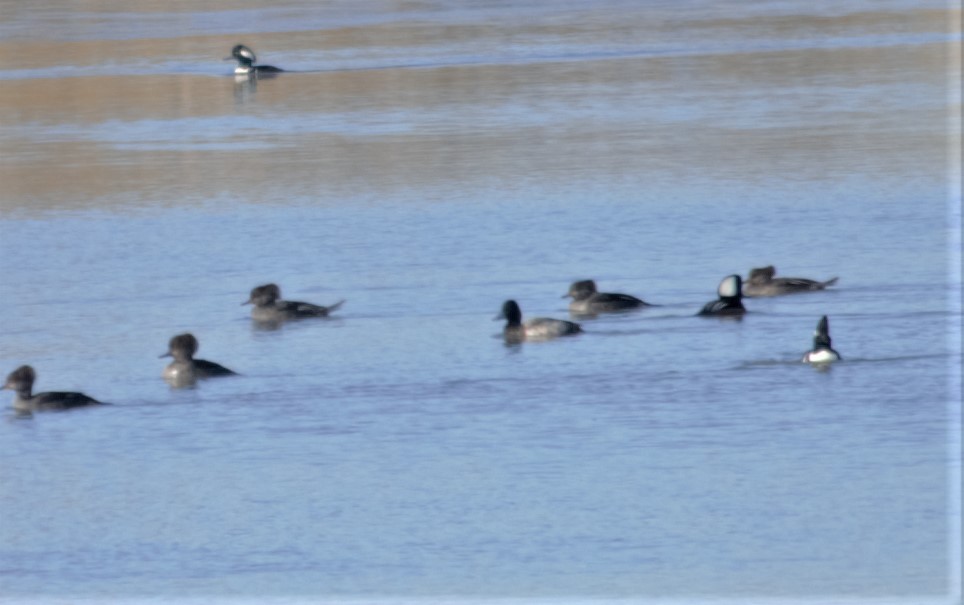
{"x":427,"y":161}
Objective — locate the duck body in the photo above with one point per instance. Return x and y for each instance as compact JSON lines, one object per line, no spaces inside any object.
{"x":587,"y":300}
{"x":246,"y":58}
{"x":194,"y":369}
{"x":269,"y":307}
{"x":535,"y":329}
{"x":761,"y":282}
{"x":21,"y":382}
{"x":730,"y":301}
{"x":822,"y":351}
{"x":821,"y":356}
{"x":185,"y":370}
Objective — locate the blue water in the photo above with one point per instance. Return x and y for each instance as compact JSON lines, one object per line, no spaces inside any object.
{"x":401,"y":451}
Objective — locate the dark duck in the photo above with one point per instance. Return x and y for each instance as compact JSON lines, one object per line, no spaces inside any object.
{"x":761,"y":282}
{"x":587,"y":300}
{"x":729,"y":303}
{"x":21,"y":380}
{"x":822,"y":351}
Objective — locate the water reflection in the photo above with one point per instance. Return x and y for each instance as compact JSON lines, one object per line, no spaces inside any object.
{"x":245,"y":86}
{"x":822,"y":367}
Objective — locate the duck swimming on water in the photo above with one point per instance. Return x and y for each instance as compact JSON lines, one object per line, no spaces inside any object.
{"x":246,"y":58}
{"x":21,"y":380}
{"x":185,"y":370}
{"x":762,"y":282}
{"x":730,"y":298}
{"x":587,"y":300}
{"x":822,"y":351}
{"x":537,"y":328}
{"x":270,"y":308}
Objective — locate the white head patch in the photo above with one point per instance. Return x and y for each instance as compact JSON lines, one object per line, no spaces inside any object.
{"x":729,"y":287}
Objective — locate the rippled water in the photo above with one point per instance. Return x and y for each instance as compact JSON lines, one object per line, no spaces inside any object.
{"x":427,"y":161}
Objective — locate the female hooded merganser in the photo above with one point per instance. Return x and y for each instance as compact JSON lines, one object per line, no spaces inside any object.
{"x":21,"y":382}
{"x":185,"y":370}
{"x":246,"y":58}
{"x":822,"y":351}
{"x":762,"y":283}
{"x":537,"y":328}
{"x":268,"y":306}
{"x":586,"y":300}
{"x":729,"y":301}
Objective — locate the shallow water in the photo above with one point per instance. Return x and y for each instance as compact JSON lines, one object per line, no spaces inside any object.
{"x":427,"y":161}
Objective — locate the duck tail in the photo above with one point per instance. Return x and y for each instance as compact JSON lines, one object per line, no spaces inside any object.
{"x":334,"y":307}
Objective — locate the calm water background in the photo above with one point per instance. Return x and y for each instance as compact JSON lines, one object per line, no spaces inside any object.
{"x":426,"y":161}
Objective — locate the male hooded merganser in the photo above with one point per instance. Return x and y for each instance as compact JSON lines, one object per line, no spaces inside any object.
{"x":729,"y":301}
{"x":762,"y":283}
{"x":246,"y":58}
{"x":185,"y":370}
{"x":586,"y":300}
{"x":822,"y":351}
{"x":268,"y":306}
{"x":537,"y":328}
{"x":21,"y":382}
